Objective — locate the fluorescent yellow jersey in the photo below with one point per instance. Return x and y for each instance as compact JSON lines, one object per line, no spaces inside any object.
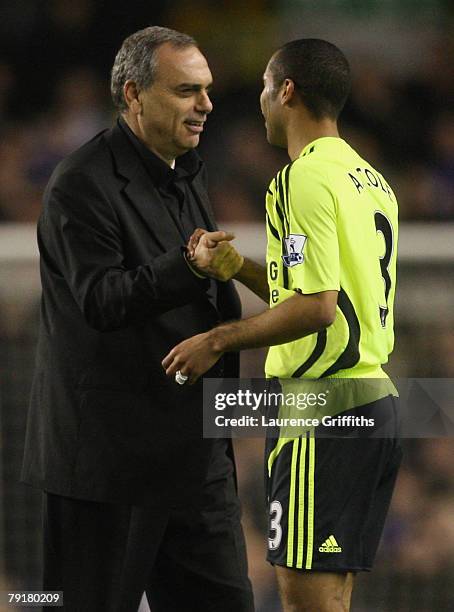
{"x":332,"y":225}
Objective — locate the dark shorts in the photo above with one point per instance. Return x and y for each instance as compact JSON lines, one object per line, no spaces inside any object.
{"x":328,"y":496}
{"x":190,"y":558}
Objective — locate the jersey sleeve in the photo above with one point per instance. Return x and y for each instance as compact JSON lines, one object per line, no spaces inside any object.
{"x":313,"y":230}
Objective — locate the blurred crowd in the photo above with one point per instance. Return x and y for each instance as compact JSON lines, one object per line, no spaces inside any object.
{"x":54,"y":95}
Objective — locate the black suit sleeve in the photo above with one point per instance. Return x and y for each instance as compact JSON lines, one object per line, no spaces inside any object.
{"x":80,"y":236}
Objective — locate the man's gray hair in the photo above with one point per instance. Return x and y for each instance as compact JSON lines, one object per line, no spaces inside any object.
{"x":136,"y":59}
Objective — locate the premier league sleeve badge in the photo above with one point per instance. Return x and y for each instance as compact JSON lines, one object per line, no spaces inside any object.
{"x":294,"y":245}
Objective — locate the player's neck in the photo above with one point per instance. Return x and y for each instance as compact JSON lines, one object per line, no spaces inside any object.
{"x":302,"y":131}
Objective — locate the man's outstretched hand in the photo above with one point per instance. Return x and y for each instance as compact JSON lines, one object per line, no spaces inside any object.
{"x":211,"y":254}
{"x":192,"y":357}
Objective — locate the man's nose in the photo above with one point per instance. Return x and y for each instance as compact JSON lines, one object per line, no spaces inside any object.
{"x":204,"y":103}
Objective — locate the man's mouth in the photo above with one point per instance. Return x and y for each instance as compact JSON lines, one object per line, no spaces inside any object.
{"x":194,"y":126}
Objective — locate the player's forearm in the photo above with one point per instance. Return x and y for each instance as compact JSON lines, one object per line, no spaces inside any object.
{"x":253,"y":276}
{"x":295,"y":318}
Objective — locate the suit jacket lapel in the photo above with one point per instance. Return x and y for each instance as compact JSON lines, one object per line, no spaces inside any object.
{"x":140,"y":190}
{"x":145,"y":198}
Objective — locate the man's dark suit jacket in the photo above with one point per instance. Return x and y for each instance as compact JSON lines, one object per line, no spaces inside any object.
{"x":105,"y":424}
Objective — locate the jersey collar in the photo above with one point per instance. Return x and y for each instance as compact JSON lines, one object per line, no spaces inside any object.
{"x":310,"y":148}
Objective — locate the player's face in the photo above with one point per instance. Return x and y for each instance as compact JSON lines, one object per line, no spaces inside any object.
{"x":175,"y":106}
{"x":271,"y":110}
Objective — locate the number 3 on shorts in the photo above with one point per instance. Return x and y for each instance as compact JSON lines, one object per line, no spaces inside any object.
{"x":275,"y":525}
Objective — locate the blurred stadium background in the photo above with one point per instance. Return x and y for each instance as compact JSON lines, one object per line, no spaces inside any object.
{"x":55,"y":58}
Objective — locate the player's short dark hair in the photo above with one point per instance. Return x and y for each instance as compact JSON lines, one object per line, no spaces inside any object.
{"x":136,"y":59}
{"x":320,"y":71}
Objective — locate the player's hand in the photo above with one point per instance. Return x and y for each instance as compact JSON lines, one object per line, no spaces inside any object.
{"x":192,"y":357}
{"x":214,"y":256}
{"x":211,"y":241}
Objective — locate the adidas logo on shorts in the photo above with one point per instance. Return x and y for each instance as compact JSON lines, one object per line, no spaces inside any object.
{"x":330,"y":546}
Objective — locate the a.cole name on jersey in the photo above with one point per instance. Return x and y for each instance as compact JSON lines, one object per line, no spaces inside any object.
{"x":294,"y":245}
{"x":366,"y":178}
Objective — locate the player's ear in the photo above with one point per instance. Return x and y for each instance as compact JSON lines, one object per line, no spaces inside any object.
{"x":131,"y":94}
{"x":288,"y":91}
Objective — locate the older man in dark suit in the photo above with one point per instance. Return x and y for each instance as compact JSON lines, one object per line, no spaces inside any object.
{"x":134,"y":499}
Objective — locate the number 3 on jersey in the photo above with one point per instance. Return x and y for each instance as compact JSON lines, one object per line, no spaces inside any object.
{"x":384,"y":227}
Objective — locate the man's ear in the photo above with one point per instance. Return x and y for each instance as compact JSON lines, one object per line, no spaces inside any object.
{"x":131,"y":95}
{"x":288,"y":91}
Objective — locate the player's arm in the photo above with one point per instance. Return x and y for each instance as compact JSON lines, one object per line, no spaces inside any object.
{"x":296,"y":317}
{"x":253,"y":276}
